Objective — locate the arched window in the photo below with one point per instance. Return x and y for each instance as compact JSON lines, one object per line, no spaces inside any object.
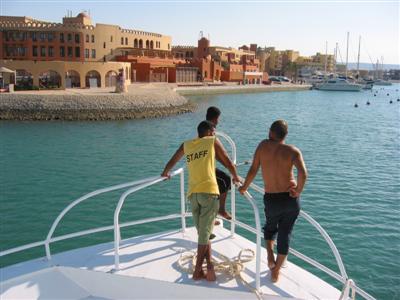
{"x":72,"y":79}
{"x":111,"y":79}
{"x":24,"y":79}
{"x":87,"y":39}
{"x":140,"y":43}
{"x":93,"y":79}
{"x":126,"y":41}
{"x":147,"y":44}
{"x":49,"y":79}
{"x":135,"y":43}
{"x":151,"y":44}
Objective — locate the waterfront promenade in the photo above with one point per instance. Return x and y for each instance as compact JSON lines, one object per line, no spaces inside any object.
{"x":143,"y":100}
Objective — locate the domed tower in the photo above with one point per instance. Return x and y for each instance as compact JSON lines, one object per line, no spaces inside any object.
{"x":82,"y":18}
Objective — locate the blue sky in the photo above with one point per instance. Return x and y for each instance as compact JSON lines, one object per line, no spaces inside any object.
{"x":300,"y":25}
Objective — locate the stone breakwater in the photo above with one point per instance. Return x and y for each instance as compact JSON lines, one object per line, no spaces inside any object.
{"x":239,"y":89}
{"x":140,"y":102}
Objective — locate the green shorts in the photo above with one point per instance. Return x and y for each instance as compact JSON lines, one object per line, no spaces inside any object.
{"x":204,"y":209}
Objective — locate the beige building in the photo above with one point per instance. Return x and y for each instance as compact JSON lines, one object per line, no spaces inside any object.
{"x":275,"y":61}
{"x":323,"y":59}
{"x":67,"y":54}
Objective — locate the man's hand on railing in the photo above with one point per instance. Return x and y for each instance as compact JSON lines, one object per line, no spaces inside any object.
{"x":242,"y":190}
{"x":165,"y":174}
{"x":237,"y":180}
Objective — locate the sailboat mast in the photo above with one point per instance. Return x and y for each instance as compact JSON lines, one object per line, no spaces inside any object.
{"x":326,"y":55}
{"x":335,"y":57}
{"x":347,"y":52}
{"x":358,"y":57}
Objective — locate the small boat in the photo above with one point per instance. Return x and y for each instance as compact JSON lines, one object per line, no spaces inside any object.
{"x":339,"y":84}
{"x":382,"y":82}
{"x":158,"y":266}
{"x":367,"y":84}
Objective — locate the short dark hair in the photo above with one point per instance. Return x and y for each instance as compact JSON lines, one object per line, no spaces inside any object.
{"x":280,"y":129}
{"x":212,"y":113}
{"x":203,"y":127}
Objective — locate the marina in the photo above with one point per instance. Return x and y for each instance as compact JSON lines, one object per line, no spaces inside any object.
{"x":103,"y":154}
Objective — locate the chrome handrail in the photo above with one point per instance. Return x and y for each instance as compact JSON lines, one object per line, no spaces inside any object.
{"x":83,"y":198}
{"x":117,"y":235}
{"x":324,"y":234}
{"x":258,"y":238}
{"x":233,"y":194}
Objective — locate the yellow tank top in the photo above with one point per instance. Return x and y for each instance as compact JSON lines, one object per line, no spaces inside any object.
{"x":200,"y":160}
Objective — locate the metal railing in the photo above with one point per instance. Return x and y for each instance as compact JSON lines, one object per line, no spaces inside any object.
{"x":348,"y":284}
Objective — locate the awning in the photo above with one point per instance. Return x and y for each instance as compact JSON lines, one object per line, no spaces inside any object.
{"x":6,"y":70}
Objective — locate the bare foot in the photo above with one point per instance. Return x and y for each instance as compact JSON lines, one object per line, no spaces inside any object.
{"x":211,"y":273}
{"x":274,"y":275}
{"x":216,"y":222}
{"x":271,"y":262}
{"x":199,"y":275}
{"x":225,"y":214}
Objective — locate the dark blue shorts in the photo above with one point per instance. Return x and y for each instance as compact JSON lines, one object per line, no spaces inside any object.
{"x":281,"y":212}
{"x":223,"y":180}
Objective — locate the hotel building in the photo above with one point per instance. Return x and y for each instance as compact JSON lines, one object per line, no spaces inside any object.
{"x":76,"y":53}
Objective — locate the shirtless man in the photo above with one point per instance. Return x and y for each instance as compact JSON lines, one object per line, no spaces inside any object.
{"x":203,"y":192}
{"x":282,"y":192}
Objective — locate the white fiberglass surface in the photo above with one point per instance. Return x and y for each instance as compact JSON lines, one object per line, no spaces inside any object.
{"x":156,"y":257}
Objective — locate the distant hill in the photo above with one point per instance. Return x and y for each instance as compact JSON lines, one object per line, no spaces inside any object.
{"x":369,"y":66}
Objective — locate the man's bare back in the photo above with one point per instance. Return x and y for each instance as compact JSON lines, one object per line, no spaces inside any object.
{"x":277,"y":161}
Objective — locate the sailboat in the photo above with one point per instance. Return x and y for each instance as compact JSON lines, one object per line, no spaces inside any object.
{"x":367,"y":84}
{"x":380,"y":81}
{"x":340,"y":84}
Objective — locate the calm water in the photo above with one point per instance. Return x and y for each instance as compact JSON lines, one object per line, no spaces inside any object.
{"x":352,"y":155}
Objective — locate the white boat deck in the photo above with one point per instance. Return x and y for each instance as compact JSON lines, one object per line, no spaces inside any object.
{"x":149,"y":270}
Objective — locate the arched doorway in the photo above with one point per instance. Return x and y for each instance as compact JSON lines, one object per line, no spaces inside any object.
{"x":93,"y":79}
{"x":111,"y":79}
{"x":72,"y":79}
{"x":24,"y":80}
{"x":140,"y":43}
{"x":49,"y":79}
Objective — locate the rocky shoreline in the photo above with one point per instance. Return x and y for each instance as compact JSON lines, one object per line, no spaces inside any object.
{"x":140,"y":102}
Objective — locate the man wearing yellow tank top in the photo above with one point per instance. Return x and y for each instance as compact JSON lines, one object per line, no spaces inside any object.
{"x":203,"y":192}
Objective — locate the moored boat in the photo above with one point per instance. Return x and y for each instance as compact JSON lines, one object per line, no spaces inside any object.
{"x":338,"y":84}
{"x":382,"y":82}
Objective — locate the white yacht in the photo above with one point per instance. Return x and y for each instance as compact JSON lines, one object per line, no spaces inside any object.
{"x":338,"y":84}
{"x":158,"y":266}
